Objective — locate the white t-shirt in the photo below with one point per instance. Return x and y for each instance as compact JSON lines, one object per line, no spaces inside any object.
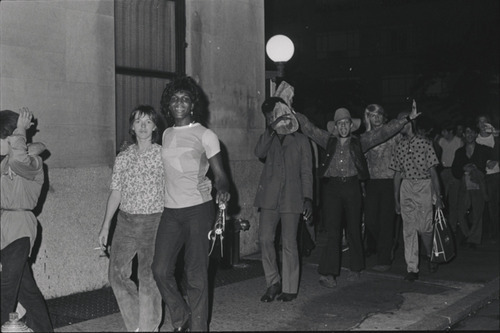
{"x":490,"y":142}
{"x":185,"y":153}
{"x":449,"y":148}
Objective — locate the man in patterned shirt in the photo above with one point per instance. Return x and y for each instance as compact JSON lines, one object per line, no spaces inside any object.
{"x":416,"y":189}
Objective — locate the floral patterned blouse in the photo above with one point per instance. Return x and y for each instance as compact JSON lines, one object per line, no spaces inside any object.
{"x":139,"y":178}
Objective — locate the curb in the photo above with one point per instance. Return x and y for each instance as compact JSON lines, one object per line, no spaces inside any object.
{"x":444,"y":319}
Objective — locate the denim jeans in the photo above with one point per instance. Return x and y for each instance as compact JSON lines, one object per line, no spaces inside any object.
{"x":140,"y":306}
{"x":18,"y":285}
{"x":186,"y":227}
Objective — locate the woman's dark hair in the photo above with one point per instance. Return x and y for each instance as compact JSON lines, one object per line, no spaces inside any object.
{"x":145,"y":110}
{"x":189,"y":86}
{"x":8,"y":123}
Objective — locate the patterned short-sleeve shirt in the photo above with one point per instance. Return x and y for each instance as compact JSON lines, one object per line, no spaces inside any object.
{"x":139,"y":178}
{"x":414,"y":158}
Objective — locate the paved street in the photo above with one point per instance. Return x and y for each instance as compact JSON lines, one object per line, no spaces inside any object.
{"x":374,"y":301}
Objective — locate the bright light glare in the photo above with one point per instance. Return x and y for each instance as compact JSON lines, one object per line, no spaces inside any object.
{"x":280,"y":48}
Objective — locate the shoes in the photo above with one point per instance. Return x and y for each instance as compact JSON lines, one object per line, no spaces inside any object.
{"x":183,"y":328}
{"x":411,"y":276}
{"x":327,"y":281}
{"x":381,"y":268}
{"x":286,"y":297}
{"x":271,"y":293}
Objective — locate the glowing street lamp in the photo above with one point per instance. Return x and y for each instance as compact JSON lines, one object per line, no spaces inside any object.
{"x":279,"y":49}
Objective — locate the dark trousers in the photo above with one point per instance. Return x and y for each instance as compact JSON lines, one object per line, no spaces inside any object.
{"x":379,"y":217}
{"x":18,"y":284}
{"x":186,"y":227}
{"x":341,"y":198}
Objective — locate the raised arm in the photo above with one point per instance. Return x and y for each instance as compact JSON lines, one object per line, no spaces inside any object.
{"x":316,"y":134}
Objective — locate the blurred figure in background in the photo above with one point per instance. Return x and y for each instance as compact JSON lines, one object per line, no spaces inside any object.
{"x":449,"y":144}
{"x":489,"y":136}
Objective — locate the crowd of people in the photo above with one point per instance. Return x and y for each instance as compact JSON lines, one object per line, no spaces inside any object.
{"x":165,"y":205}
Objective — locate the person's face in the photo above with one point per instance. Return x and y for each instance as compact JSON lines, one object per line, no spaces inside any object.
{"x":143,"y":126}
{"x":376,"y":119}
{"x":482,"y":123}
{"x":470,"y":135}
{"x":460,"y":131}
{"x":446,"y":134}
{"x":181,"y":105}
{"x":344,"y":127}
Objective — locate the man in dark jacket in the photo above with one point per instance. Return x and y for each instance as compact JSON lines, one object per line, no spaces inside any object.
{"x":342,"y":171}
{"x":284,"y":192}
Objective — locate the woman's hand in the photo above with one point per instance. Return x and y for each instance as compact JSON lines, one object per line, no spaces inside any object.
{"x":103,"y":237}
{"x":222,"y":197}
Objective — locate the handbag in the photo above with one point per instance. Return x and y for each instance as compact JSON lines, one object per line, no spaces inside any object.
{"x":443,"y":247}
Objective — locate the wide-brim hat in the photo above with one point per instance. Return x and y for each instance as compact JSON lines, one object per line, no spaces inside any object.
{"x":286,"y":126}
{"x":342,"y":113}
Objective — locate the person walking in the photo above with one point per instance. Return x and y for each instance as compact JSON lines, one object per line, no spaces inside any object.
{"x":284,"y":193}
{"x":21,"y":179}
{"x":137,"y":188}
{"x":379,"y":216}
{"x":469,"y":167}
{"x":416,"y":189}
{"x":189,"y":149}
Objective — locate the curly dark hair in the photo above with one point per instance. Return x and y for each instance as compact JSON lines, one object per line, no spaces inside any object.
{"x":189,"y":86}
{"x":145,"y":110}
{"x":8,"y":123}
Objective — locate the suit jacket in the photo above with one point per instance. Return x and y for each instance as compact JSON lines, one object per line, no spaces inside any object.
{"x":287,"y":177}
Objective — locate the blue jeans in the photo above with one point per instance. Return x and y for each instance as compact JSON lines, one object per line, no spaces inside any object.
{"x":135,"y":234}
{"x":186,"y":227}
{"x":18,"y":285}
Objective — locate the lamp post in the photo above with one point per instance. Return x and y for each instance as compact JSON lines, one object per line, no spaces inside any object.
{"x":279,"y":49}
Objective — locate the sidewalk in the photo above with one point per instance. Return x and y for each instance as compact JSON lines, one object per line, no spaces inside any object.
{"x":374,"y":301}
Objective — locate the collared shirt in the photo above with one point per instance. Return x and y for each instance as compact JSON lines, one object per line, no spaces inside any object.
{"x":342,"y":164}
{"x":379,"y":158}
{"x":414,"y":158}
{"x":449,"y":148}
{"x":139,"y":178}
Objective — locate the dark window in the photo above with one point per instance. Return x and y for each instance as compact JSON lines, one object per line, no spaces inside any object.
{"x":149,"y":53}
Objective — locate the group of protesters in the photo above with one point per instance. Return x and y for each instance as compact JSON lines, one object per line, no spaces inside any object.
{"x":165,"y":205}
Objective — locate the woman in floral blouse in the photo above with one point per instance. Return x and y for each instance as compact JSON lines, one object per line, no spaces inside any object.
{"x":137,"y":188}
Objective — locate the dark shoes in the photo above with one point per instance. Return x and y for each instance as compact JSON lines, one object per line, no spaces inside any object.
{"x":271,"y":292}
{"x":411,"y":276}
{"x":286,"y":297}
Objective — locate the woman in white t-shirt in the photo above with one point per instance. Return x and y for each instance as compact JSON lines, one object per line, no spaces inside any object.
{"x":189,"y":149}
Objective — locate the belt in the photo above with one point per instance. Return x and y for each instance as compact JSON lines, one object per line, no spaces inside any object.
{"x":340,"y":179}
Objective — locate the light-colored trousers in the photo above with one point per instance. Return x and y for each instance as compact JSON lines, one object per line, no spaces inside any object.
{"x":416,"y":212}
{"x":267,"y":229}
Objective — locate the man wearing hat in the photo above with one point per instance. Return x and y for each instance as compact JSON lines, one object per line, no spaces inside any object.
{"x":284,"y":192}
{"x":342,"y":171}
